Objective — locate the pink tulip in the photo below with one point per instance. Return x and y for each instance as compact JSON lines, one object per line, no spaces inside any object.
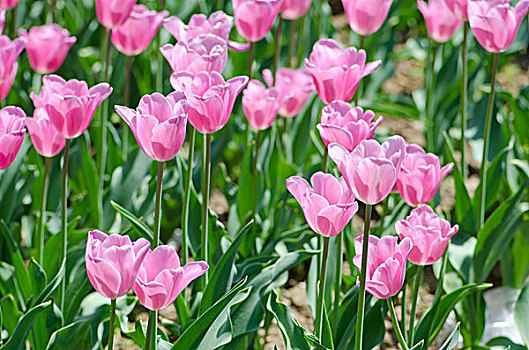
{"x":420,"y":176}
{"x":8,"y":4}
{"x":210,"y":98}
{"x":370,"y":170}
{"x":366,"y":16}
{"x":207,"y":53}
{"x":7,"y":83}
{"x":441,"y":23}
{"x":428,"y":233}
{"x":47,"y":140}
{"x":218,"y":24}
{"x":294,"y":9}
{"x":260,"y":105}
{"x":337,"y":72}
{"x":495,"y":23}
{"x":47,"y":47}
{"x":9,"y":52}
{"x":113,"y":262}
{"x":12,"y":134}
{"x":458,"y":8}
{"x":113,"y":13}
{"x":2,"y":19}
{"x":70,"y":104}
{"x":159,"y":124}
{"x":347,"y":126}
{"x":136,"y":33}
{"x":295,"y":86}
{"x":386,"y":264}
{"x":328,"y":207}
{"x":161,"y":278}
{"x":254,"y":18}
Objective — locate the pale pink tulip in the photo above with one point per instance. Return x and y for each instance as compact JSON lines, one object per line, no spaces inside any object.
{"x":295,"y":87}
{"x":113,"y":13}
{"x":9,"y":52}
{"x":458,"y":8}
{"x":366,"y":16}
{"x":47,"y":140}
{"x":254,"y":18}
{"x":2,"y":19}
{"x":441,"y":23}
{"x":260,"y":105}
{"x":294,"y":9}
{"x":8,"y":4}
{"x":12,"y":134}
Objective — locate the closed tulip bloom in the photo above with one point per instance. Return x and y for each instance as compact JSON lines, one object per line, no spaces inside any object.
{"x":294,"y":9}
{"x":2,"y":19}
{"x":254,"y":18}
{"x":47,"y":140}
{"x":328,"y":205}
{"x":159,"y":124}
{"x":113,"y":262}
{"x":260,"y":105}
{"x":458,"y":8}
{"x":295,"y":87}
{"x":346,"y":126}
{"x":70,"y":104}
{"x":47,"y":47}
{"x":161,"y":278}
{"x":441,"y":23}
{"x":386,"y":264}
{"x":210,"y":98}
{"x":9,"y":52}
{"x":8,"y":4}
{"x":420,"y":176}
{"x":113,"y":13}
{"x":366,"y":16}
{"x":207,"y":53}
{"x":428,"y":233}
{"x":12,"y":134}
{"x":337,"y":72}
{"x":134,"y":36}
{"x":370,"y":170}
{"x":495,"y":23}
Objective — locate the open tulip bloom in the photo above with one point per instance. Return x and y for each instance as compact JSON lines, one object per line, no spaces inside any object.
{"x":12,"y":134}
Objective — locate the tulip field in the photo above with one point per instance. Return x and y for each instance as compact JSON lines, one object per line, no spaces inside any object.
{"x":264,"y":174}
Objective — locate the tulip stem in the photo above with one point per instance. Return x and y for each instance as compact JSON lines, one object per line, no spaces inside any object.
{"x":187,"y":195}
{"x":359,"y":88}
{"x":112,"y":324}
{"x":338,"y":279}
{"x":206,"y":173}
{"x":363,"y":272}
{"x":299,"y":46}
{"x":52,"y":11}
{"x":430,"y":123}
{"x":126,"y":95}
{"x":158,"y":206}
{"x":159,"y":58}
{"x":150,"y":337}
{"x":318,"y":325}
{"x":103,"y":137}
{"x":14,"y":13}
{"x":325,"y":160}
{"x":64,"y":219}
{"x":396,"y":326}
{"x":277,"y":51}
{"x":292,"y":41}
{"x":464,"y":77}
{"x":251,"y":55}
{"x":255,"y":173}
{"x":403,"y":311}
{"x":414,"y":298}
{"x":486,"y":142}
{"x":43,"y":198}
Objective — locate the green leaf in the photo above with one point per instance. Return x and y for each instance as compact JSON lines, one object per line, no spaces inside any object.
{"x":138,"y":225}
{"x":137,"y":335}
{"x":452,"y":340}
{"x":10,"y":313}
{"x":51,"y":286}
{"x":38,"y":275}
{"x":521,"y":310}
{"x":78,"y":333}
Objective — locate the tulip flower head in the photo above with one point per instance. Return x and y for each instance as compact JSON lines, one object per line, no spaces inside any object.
{"x":429,"y":234}
{"x":294,"y":9}
{"x":9,"y":52}
{"x":8,"y":4}
{"x":260,"y":105}
{"x":254,"y":18}
{"x":47,"y":140}
{"x":458,"y":8}
{"x":328,"y":205}
{"x":161,"y":278}
{"x":12,"y":134}
{"x":366,"y":16}
{"x":441,"y":23}
{"x":295,"y":87}
{"x":2,"y":19}
{"x":113,"y":262}
{"x":113,"y":13}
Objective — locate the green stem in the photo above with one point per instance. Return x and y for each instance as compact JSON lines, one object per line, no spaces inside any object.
{"x":277,"y":51}
{"x":362,"y":290}
{"x":52,"y":11}
{"x":291,"y":44}
{"x":103,"y":120}
{"x":13,"y":28}
{"x":338,"y":278}
{"x":430,"y":124}
{"x":486,"y":142}
{"x":464,"y":78}
{"x":159,"y":58}
{"x":385,"y":207}
{"x":396,"y":326}
{"x":359,"y":88}
{"x":251,"y":55}
{"x":206,"y":174}
{"x":255,"y":173}
{"x":403,"y":312}
{"x":415,"y":297}
{"x":318,"y":325}
{"x":126,"y":97}
{"x":150,"y":337}
{"x":42,"y":220}
{"x":299,"y":45}
{"x":437,"y":297}
{"x":325,"y":160}
{"x":112,"y":324}
{"x":187,"y":195}
{"x":220,"y":5}
{"x":64,"y":219}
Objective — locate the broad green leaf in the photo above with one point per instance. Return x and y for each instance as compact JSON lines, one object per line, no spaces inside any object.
{"x":521,"y":310}
{"x":38,"y":275}
{"x":78,"y":333}
{"x":137,"y":335}
{"x":452,"y":340}
{"x":138,"y":225}
{"x":54,"y":283}
{"x":502,"y":343}
{"x":10,"y":313}
{"x":78,"y":288}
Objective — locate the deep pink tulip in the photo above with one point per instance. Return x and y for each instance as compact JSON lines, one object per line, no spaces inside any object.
{"x":8,"y":4}
{"x":260,"y":105}
{"x":47,"y":47}
{"x":254,"y":18}
{"x":495,"y":23}
{"x":371,"y":169}
{"x":420,"y":176}
{"x":207,"y":53}
{"x":347,"y":126}
{"x":386,"y":264}
{"x":337,"y":72}
{"x":47,"y":140}
{"x":328,"y":207}
{"x":295,"y":86}
{"x":428,"y":233}
{"x":159,"y":124}
{"x":210,"y":98}
{"x":136,"y":33}
{"x":12,"y":134}
{"x":113,"y":262}
{"x":70,"y":104}
{"x":161,"y":278}
{"x":113,"y":13}
{"x":458,"y":8}
{"x":441,"y":23}
{"x":294,"y":9}
{"x":366,"y":16}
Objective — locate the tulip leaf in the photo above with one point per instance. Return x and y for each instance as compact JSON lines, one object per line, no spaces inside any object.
{"x":54,"y":283}
{"x":138,"y":225}
{"x":137,"y":335}
{"x":10,"y":312}
{"x":78,"y":333}
{"x":521,"y":310}
{"x":78,"y":288}
{"x":452,"y":340}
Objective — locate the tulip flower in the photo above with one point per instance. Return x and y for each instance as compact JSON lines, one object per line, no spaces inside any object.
{"x":346,"y":126}
{"x":295,"y":86}
{"x":428,"y":233}
{"x":371,"y":170}
{"x":254,"y":18}
{"x":260,"y":105}
{"x":8,"y":4}
{"x":207,"y":53}
{"x":47,"y":47}
{"x":2,"y":19}
{"x":210,"y":98}
{"x":161,"y":278}
{"x":12,"y":134}
{"x":9,"y":52}
{"x":47,"y":140}
{"x":113,"y":13}
{"x":113,"y":262}
{"x":386,"y":264}
{"x":458,"y":8}
{"x":294,"y":9}
{"x":337,"y":72}
{"x":420,"y":176}
{"x":70,"y":104}
{"x":136,"y":33}
{"x":366,"y":16}
{"x":441,"y":23}
{"x":159,"y":124}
